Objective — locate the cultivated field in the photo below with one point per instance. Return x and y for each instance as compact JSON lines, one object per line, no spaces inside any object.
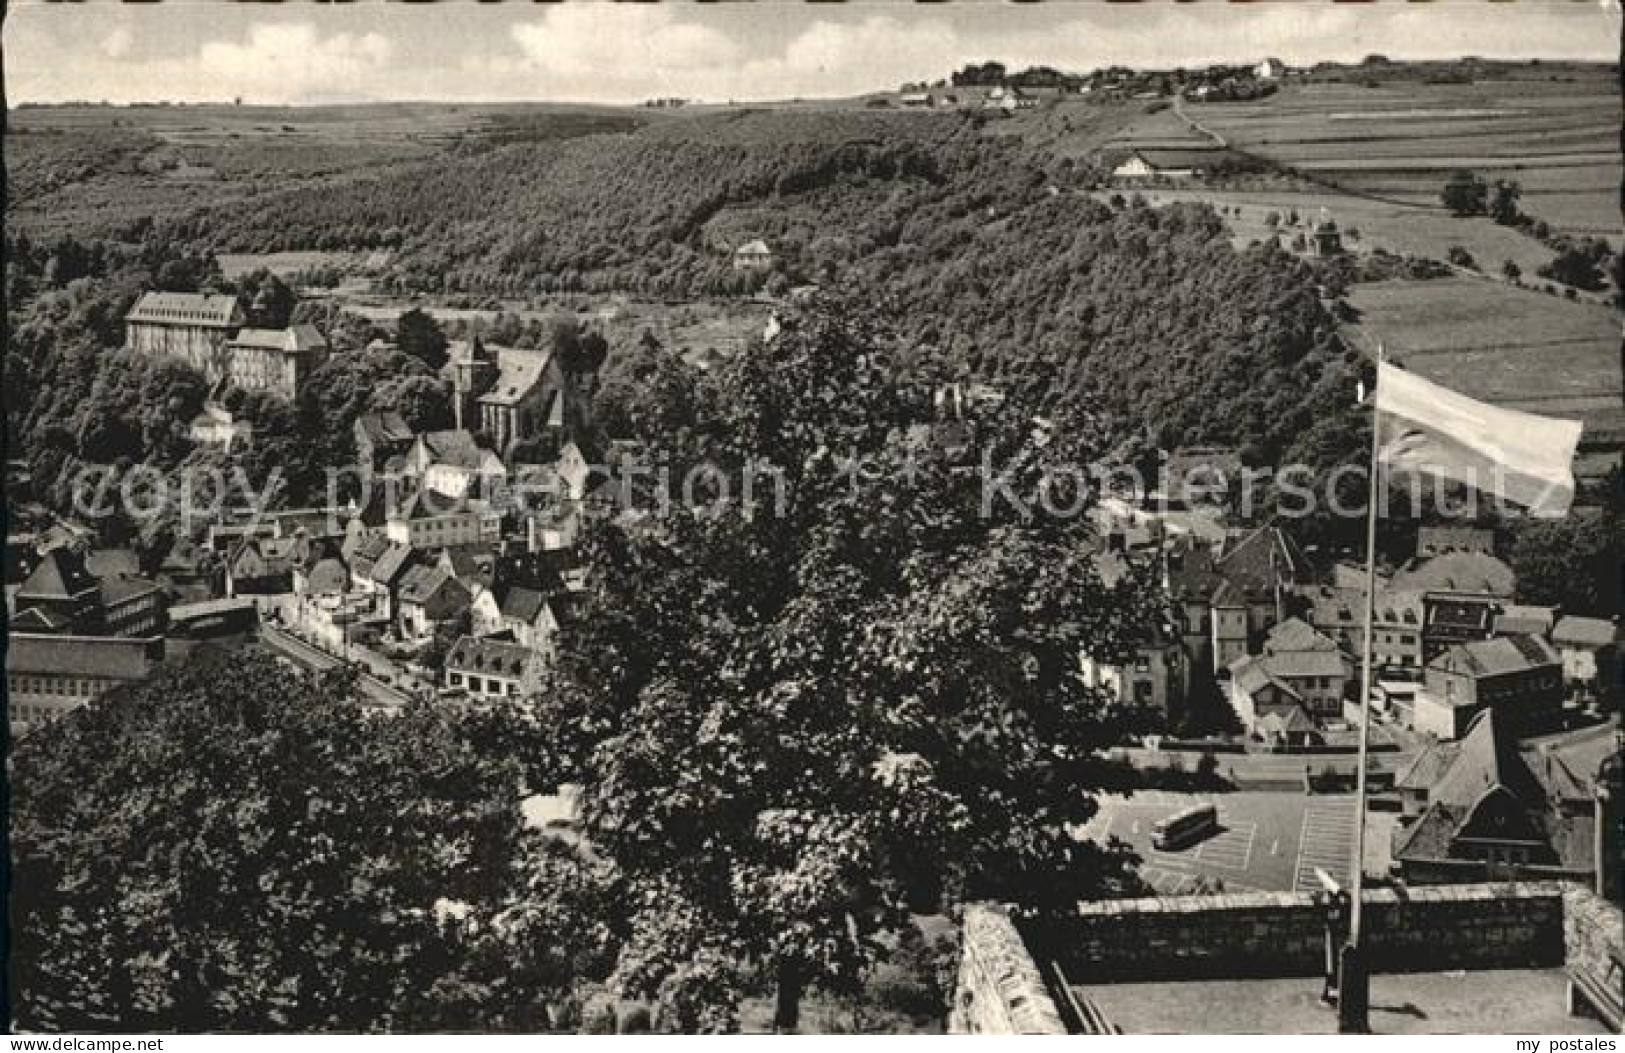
{"x":1507,"y":345}
{"x":1556,"y":133}
{"x":1405,"y":230}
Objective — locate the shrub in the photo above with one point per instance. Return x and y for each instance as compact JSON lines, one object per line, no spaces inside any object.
{"x":636,"y":1021}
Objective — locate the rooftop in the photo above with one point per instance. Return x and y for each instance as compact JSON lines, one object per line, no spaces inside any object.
{"x":1457,"y":571}
{"x":1585,"y":632}
{"x":292,"y":340}
{"x":206,"y":309}
{"x":1504,"y":654}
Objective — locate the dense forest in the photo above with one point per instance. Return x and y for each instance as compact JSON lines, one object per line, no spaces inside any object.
{"x":997,"y":266}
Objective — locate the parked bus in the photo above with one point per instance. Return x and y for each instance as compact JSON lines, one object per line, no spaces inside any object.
{"x":1192,"y":824}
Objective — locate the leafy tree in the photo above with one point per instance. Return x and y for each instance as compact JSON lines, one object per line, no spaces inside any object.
{"x":420,"y":336}
{"x":1575,"y":266}
{"x":1511,"y":271}
{"x":1503,"y":202}
{"x":424,"y":402}
{"x":232,"y":846}
{"x":1573,"y":562}
{"x":1465,"y":194}
{"x":877,"y":706}
{"x":269,"y":300}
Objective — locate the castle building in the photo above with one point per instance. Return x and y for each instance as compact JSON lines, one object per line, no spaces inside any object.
{"x":206,"y":331}
{"x":193,"y":327}
{"x":274,"y":360}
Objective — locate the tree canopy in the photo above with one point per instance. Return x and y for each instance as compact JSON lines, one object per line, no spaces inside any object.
{"x":794,"y":723}
{"x":233,"y":846}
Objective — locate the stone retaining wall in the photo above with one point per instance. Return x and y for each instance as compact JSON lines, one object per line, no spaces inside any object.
{"x":1000,"y":991}
{"x":1485,"y":926}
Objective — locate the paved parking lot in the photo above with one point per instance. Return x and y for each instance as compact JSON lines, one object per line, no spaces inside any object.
{"x":1266,"y":841}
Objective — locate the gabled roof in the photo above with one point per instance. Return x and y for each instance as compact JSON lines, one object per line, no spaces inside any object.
{"x":395,"y":561}
{"x":1470,"y":572}
{"x":363,"y":551}
{"x":60,"y":574}
{"x":1485,"y":775}
{"x":214,"y":310}
{"x":1250,"y":674}
{"x":1485,"y":757}
{"x":1503,"y":654}
{"x":1295,"y":634}
{"x":460,"y":563}
{"x":1257,"y":561}
{"x":1191,"y":574}
{"x":423,"y":582}
{"x":1567,"y":765}
{"x":1298,"y":665}
{"x":453,"y":446}
{"x":112,"y":657}
{"x":384,"y":429}
{"x":1166,"y":158}
{"x":38,"y":620}
{"x":1428,"y":766}
{"x":1293,"y":721}
{"x":274,"y":555}
{"x":523,"y":604}
{"x":483,"y":655}
{"x":288,"y":341}
{"x":429,"y":504}
{"x":755,"y":247}
{"x":1585,"y":632}
{"x":520,"y":371}
{"x":122,"y":587}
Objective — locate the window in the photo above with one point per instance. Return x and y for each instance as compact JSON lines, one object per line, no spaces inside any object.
{"x":1142,"y":663}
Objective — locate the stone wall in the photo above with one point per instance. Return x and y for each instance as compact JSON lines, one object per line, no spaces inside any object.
{"x":1593,"y":931}
{"x":1000,"y":990}
{"x":1484,"y":926}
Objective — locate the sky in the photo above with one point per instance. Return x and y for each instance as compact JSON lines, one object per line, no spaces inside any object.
{"x":596,"y":51}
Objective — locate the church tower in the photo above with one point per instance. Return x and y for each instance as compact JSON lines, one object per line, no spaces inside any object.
{"x":474,"y":371}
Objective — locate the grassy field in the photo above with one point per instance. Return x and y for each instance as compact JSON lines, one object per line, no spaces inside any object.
{"x":1556,"y":134}
{"x":1512,"y":346}
{"x":1405,"y":230}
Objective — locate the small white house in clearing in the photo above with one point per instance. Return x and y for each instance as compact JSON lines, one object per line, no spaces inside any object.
{"x":1270,"y":69}
{"x":1141,"y":164}
{"x":753,"y":256}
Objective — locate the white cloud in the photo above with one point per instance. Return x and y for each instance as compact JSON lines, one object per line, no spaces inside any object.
{"x":620,"y":41}
{"x":627,"y":52}
{"x":289,"y":62}
{"x":117,"y":43}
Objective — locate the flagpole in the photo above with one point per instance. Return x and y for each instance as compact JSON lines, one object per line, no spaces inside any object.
{"x":1354,"y":984}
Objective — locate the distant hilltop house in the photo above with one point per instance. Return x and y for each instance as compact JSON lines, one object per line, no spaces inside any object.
{"x":753,"y":256}
{"x":1326,"y":240}
{"x":1165,"y":164}
{"x":1270,"y":69}
{"x":206,"y":331}
{"x":1008,"y":98}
